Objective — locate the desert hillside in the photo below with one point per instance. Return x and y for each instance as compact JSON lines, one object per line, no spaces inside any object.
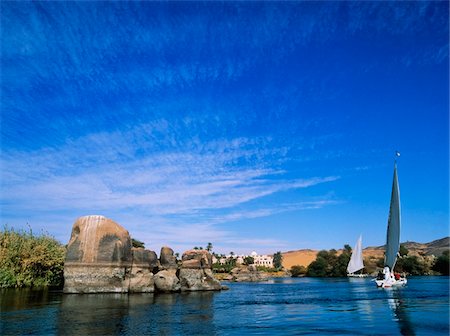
{"x":305,"y":257}
{"x":300,"y":257}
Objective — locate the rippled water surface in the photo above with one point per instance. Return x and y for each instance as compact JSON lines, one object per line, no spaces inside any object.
{"x":279,"y":307}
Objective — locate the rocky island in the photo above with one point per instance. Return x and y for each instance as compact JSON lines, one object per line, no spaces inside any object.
{"x":100,"y":259}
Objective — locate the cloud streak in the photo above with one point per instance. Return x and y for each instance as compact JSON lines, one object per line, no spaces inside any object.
{"x":94,"y":173}
{"x":189,"y":188}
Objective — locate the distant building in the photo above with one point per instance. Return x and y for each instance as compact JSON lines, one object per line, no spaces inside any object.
{"x":262,"y":260}
{"x":259,"y":260}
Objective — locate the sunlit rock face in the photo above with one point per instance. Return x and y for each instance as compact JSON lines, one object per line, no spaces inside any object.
{"x":167,"y":281}
{"x":97,"y":239}
{"x":196,"y":272}
{"x":99,"y":259}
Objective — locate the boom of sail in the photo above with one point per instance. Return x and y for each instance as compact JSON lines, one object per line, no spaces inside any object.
{"x":356,"y":261}
{"x":393,"y":231}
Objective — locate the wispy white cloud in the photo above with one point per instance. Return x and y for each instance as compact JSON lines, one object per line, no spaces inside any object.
{"x":183,"y":192}
{"x":93,"y":172}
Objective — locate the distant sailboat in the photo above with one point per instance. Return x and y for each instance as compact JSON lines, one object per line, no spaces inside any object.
{"x":392,"y":239}
{"x":356,"y":262}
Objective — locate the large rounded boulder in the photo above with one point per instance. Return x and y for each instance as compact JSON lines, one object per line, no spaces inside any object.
{"x":97,"y":239}
{"x":98,"y":258}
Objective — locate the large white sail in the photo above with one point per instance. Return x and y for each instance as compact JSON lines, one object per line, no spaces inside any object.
{"x":356,"y":261}
{"x":393,"y":231}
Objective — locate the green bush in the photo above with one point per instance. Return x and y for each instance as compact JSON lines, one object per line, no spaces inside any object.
{"x":298,"y":270}
{"x":329,"y":264}
{"x":278,"y":260}
{"x":224,"y":268}
{"x":30,"y":261}
{"x":267,"y":269}
{"x":411,"y":265}
{"x":249,"y":260}
{"x":442,"y":264}
{"x":137,"y":243}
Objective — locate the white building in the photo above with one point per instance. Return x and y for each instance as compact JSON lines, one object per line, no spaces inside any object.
{"x":262,"y":260}
{"x":259,"y":260}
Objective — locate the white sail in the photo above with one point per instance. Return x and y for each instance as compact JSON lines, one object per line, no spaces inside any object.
{"x":356,"y":261}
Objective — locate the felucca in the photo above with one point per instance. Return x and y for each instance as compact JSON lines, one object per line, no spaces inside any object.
{"x":392,"y":239}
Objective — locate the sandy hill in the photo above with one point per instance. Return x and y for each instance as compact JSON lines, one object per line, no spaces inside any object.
{"x":306,"y":256}
{"x":300,"y":257}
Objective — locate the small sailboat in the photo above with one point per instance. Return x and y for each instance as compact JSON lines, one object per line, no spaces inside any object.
{"x":388,"y":278}
{"x":356,"y":262}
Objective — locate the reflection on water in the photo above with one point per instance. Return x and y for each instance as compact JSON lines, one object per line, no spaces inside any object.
{"x":93,"y":314}
{"x":277,"y":307}
{"x":15,"y":299}
{"x":361,"y":294}
{"x":396,"y":303}
{"x":161,"y":314}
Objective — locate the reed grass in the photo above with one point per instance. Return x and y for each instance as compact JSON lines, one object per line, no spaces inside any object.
{"x":28,"y":260}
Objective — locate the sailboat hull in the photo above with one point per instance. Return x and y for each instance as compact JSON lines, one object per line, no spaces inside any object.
{"x":391,"y":283}
{"x":357,"y":275}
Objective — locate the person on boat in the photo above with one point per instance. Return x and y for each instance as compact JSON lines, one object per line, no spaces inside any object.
{"x":388,"y":277}
{"x":380,"y":275}
{"x":397,"y":276}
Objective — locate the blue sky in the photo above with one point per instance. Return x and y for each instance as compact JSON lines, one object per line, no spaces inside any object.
{"x":252,"y":125}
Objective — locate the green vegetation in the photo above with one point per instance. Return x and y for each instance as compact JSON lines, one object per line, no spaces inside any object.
{"x":267,"y":269}
{"x":298,"y":270}
{"x":230,"y":263}
{"x":403,"y":250}
{"x":412,"y":265}
{"x":277,"y":260}
{"x":249,"y":260}
{"x":209,"y":247}
{"x":137,"y":243}
{"x":329,"y":264}
{"x":27,"y":260}
{"x":442,"y":264}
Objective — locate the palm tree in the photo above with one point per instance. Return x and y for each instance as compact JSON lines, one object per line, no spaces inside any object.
{"x":209,"y":247}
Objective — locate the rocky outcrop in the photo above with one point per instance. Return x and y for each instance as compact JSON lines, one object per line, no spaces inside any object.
{"x":100,"y":259}
{"x":246,"y":274}
{"x":167,"y":259}
{"x":167,"y":281}
{"x":196,"y":272}
{"x":141,"y":279}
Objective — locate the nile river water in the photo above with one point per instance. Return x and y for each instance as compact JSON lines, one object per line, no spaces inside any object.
{"x":283,"y":306}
